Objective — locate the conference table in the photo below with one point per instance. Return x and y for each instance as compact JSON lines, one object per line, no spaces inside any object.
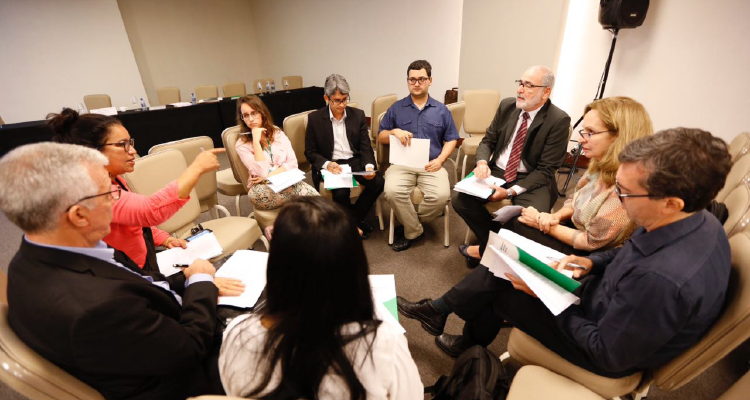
{"x":152,"y":127}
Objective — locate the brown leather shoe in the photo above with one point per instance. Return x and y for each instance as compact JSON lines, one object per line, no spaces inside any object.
{"x":432,"y":321}
{"x":452,"y":345}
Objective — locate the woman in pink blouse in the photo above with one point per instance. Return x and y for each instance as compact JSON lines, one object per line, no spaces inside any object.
{"x":133,"y":215}
{"x":266,"y":151}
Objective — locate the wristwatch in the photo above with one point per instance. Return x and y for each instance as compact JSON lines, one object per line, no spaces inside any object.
{"x":510,"y":194}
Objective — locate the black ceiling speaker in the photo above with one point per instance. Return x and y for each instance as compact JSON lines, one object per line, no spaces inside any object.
{"x":622,"y":14}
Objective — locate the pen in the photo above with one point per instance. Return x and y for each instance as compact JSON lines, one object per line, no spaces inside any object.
{"x":571,"y":265}
{"x":180,"y":265}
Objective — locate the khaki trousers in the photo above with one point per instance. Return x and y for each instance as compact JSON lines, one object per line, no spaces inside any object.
{"x":400,"y":181}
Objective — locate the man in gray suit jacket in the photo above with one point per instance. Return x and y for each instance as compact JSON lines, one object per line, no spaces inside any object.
{"x":524,"y":145}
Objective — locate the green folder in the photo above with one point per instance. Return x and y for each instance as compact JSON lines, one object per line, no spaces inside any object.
{"x":546,"y":271}
{"x":391,"y":306}
{"x":354,"y":183}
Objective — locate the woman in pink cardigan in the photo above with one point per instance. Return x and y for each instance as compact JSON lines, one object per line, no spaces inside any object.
{"x":265,"y":151}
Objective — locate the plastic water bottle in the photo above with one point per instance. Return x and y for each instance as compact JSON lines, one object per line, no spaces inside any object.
{"x":143,"y":105}
{"x":81,"y":110}
{"x":268,"y":87}
{"x":273,"y":87}
{"x":193,"y":100}
{"x":286,"y":84}
{"x":260,"y":88}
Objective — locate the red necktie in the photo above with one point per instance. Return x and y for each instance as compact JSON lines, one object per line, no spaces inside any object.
{"x":511,"y":170}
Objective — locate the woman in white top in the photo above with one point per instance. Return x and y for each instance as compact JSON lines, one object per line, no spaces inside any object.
{"x":318,"y":337}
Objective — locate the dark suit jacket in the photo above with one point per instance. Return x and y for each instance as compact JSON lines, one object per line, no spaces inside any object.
{"x":319,"y":139}
{"x":545,"y":145}
{"x":108,"y":327}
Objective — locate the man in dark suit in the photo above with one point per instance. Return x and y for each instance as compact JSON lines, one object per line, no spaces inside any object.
{"x":336,"y":135}
{"x":524,"y":145}
{"x":88,"y":308}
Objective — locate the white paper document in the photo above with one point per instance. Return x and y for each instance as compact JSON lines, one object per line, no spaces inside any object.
{"x":478,"y":187}
{"x":203,"y":246}
{"x":182,"y":104}
{"x":383,"y":289}
{"x":285,"y":179}
{"x":340,"y":180}
{"x":504,"y":214}
{"x":104,"y":111}
{"x":249,"y":266}
{"x":553,"y":296}
{"x":416,"y":155}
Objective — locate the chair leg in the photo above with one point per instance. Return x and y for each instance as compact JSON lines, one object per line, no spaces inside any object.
{"x":463,"y":168}
{"x":391,"y":224}
{"x":237,"y":204}
{"x":447,"y":225}
{"x":468,"y":233}
{"x":223,"y":209}
{"x":379,"y":213}
{"x":212,"y":212}
{"x":265,"y":242}
{"x":642,"y":394}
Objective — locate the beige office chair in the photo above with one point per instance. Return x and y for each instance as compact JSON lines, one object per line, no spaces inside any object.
{"x":29,"y":374}
{"x":739,"y":171}
{"x":291,"y":82}
{"x":739,"y":146}
{"x":96,"y":101}
{"x":458,"y":110}
{"x":1,"y":121}
{"x":207,"y":185}
{"x":233,"y":89}
{"x":738,"y":205}
{"x":534,"y":382}
{"x":229,"y":137}
{"x":481,"y":106}
{"x":730,"y":330}
{"x":154,"y":171}
{"x":227,"y":185}
{"x":353,"y":104}
{"x":380,"y":105}
{"x":294,"y":127}
{"x":168,"y":95}
{"x":262,"y":85}
{"x":206,"y":92}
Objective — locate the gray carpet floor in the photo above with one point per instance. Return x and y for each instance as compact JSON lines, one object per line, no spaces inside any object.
{"x":429,"y":269}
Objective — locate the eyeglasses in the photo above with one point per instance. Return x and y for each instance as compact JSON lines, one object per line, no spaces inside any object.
{"x":251,"y":114}
{"x":588,"y":135}
{"x":125,"y":144}
{"x":528,"y":85}
{"x":336,"y":102}
{"x":422,"y":80}
{"x":621,"y":195}
{"x":114,"y":193}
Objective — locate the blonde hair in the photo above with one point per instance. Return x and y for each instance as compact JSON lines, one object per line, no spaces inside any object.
{"x":626,"y":120}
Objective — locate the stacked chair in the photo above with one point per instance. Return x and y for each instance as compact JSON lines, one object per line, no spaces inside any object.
{"x":233,"y":89}
{"x":168,"y":95}
{"x":293,"y":81}
{"x":96,"y":101}
{"x":206,"y":92}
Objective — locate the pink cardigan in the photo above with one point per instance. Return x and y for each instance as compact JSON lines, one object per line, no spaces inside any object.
{"x":283,"y":155}
{"x":133,"y":211}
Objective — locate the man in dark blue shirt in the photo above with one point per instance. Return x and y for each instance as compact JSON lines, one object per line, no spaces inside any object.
{"x":648,"y":301}
{"x":420,"y":116}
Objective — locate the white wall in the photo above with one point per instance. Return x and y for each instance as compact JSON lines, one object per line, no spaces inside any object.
{"x":188,"y":43}
{"x":370,"y":43}
{"x":501,"y":38}
{"x":687,"y":63}
{"x":55,"y":52}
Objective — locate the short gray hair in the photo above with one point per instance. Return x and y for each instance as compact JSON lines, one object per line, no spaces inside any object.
{"x":336,"y":82}
{"x":549,"y":77}
{"x":39,"y":181}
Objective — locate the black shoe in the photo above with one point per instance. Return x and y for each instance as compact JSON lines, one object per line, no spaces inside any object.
{"x":432,"y":321}
{"x":452,"y":345}
{"x":365,"y":226}
{"x":398,"y":231}
{"x":402,"y":243}
{"x":471,"y":262}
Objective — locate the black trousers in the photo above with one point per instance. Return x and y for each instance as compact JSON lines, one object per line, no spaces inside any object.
{"x":479,"y":220}
{"x":372,"y":190}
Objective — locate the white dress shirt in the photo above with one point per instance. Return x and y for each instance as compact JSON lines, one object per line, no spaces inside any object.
{"x":341,"y":148}
{"x":502,"y":159}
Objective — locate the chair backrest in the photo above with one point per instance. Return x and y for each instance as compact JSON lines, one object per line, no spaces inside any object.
{"x":738,"y":205}
{"x":481,"y":106}
{"x":168,"y":95}
{"x":153,"y":172}
{"x":740,"y":169}
{"x":233,"y":89}
{"x":730,"y":330}
{"x":95,"y":101}
{"x":380,"y":105}
{"x":190,"y":148}
{"x":1,"y":121}
{"x":206,"y":92}
{"x":291,"y":82}
{"x":31,"y":375}
{"x":457,"y":109}
{"x":229,"y":137}
{"x":294,"y":127}
{"x":739,"y":146}
{"x":262,"y":82}
{"x":383,"y":154}
{"x":353,"y":104}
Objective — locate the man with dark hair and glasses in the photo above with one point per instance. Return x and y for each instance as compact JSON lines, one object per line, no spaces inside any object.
{"x":337,"y":134}
{"x":89,"y":308}
{"x":646,"y":302}
{"x":420,"y":116}
{"x":524,"y":145}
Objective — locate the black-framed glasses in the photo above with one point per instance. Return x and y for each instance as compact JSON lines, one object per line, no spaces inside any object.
{"x":125,"y":144}
{"x":588,"y":135}
{"x":114,"y":193}
{"x":336,"y":102}
{"x":253,"y":114}
{"x":421,"y":80}
{"x":621,"y":195}
{"x":528,"y":85}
